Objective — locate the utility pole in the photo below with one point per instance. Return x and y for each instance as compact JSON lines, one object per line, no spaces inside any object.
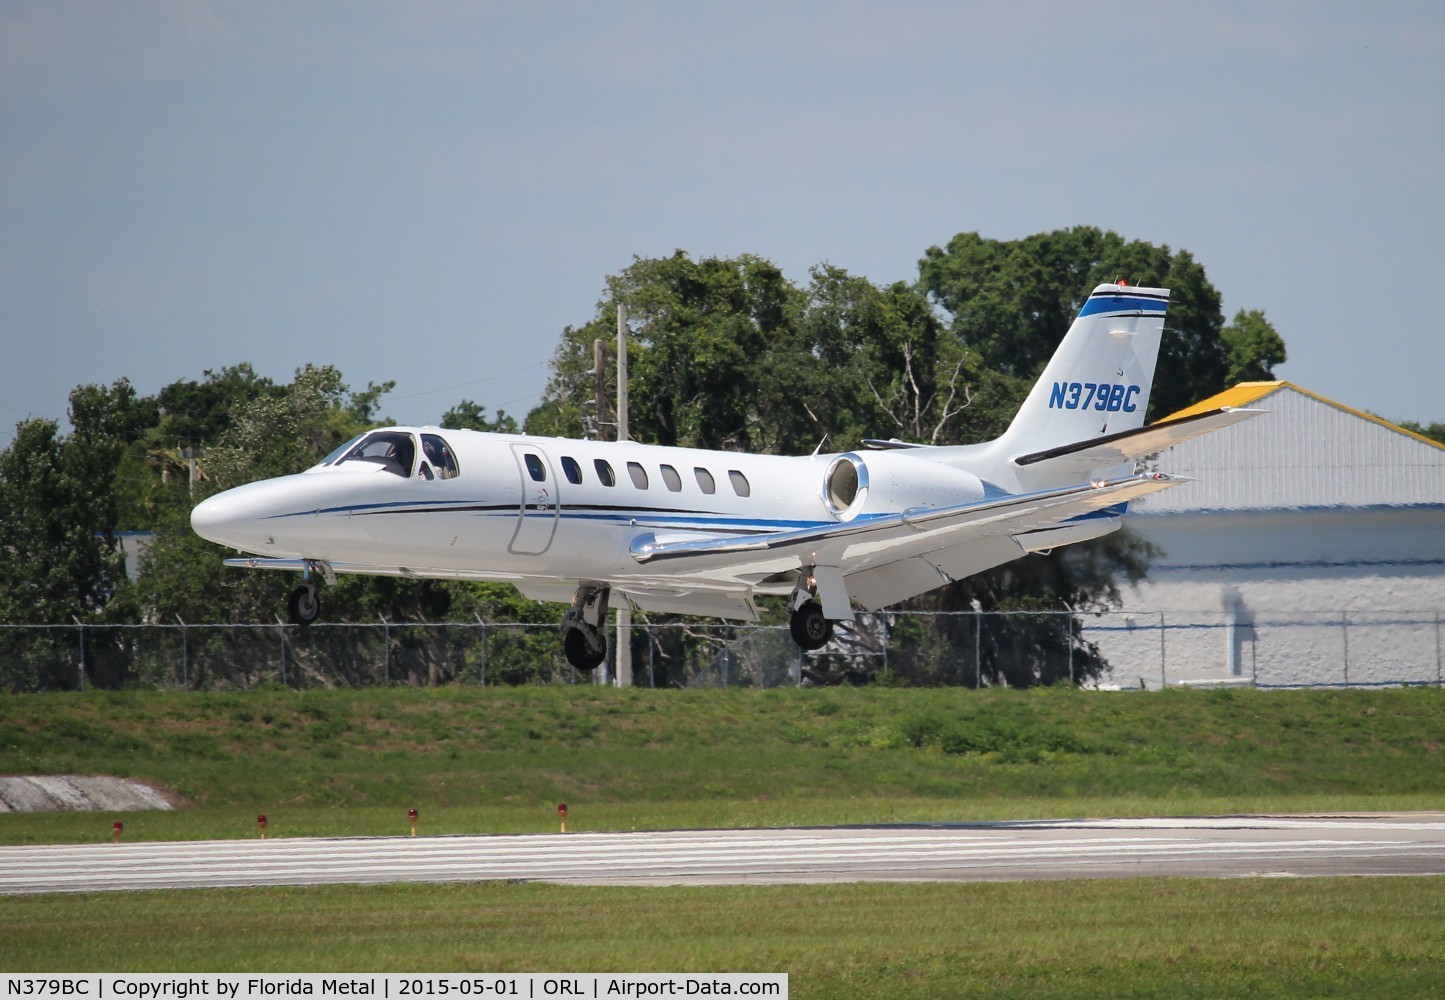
{"x":599,"y":384}
{"x":624,"y":613}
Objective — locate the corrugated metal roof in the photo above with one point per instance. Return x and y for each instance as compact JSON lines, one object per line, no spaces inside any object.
{"x":1307,"y":451}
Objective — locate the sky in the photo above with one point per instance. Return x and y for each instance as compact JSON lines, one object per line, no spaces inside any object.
{"x":431,"y":192}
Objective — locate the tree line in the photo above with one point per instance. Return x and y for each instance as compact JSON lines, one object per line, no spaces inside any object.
{"x":725,"y":353}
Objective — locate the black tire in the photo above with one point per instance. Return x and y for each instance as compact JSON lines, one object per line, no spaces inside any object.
{"x":580,"y":652}
{"x":810,"y":629}
{"x":304,"y":605}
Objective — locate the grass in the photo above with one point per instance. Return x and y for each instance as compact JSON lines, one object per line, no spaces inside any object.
{"x":496,"y":760}
{"x":1133,"y":937}
{"x":499,"y":760}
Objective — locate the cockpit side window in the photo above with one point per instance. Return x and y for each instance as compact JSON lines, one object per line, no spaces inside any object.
{"x":394,"y":451}
{"x":442,"y":460}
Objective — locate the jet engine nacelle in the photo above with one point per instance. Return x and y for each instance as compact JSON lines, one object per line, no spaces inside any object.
{"x":892,"y":481}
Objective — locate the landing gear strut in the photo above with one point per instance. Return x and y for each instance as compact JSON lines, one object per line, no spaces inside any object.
{"x":583,"y":640}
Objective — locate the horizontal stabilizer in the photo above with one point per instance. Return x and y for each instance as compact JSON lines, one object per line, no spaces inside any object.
{"x":1127,"y":446}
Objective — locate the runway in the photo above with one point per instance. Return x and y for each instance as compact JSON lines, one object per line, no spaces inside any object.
{"x":1214,"y":847}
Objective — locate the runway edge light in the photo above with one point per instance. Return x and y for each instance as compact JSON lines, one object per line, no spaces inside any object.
{"x":562,"y":815}
{"x":261,"y":822}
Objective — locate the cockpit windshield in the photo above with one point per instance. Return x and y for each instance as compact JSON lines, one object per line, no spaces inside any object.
{"x":336,"y":455}
{"x":395,"y":451}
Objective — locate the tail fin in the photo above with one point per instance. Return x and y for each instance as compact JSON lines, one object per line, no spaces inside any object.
{"x":1099,"y":378}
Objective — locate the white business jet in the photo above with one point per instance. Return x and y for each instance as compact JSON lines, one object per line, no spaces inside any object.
{"x":694,"y":532}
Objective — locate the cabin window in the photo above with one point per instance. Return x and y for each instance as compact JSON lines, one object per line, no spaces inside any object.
{"x":535,"y":468}
{"x":572,"y":470}
{"x":705,"y":481}
{"x":604,"y":472}
{"x":638,"y":474}
{"x":394,"y":451}
{"x":671,"y":478}
{"x":740,"y":483}
{"x":443,"y":462}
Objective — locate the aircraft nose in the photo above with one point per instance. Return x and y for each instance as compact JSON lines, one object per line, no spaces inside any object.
{"x":263,"y":517}
{"x":243,"y":517}
{"x":217,"y":518}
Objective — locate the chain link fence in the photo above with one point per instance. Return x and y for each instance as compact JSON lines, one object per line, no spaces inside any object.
{"x":1135,"y":649}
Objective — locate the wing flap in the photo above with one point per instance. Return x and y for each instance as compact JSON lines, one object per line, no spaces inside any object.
{"x":887,"y":538}
{"x":736,"y":605}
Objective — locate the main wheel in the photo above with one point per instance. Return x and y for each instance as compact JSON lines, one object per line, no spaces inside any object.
{"x":810,"y":629}
{"x":304,"y":605}
{"x":584,"y":651}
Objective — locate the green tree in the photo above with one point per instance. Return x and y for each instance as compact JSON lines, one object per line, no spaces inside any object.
{"x":1013,"y":301}
{"x":59,"y":557}
{"x":700,"y":331}
{"x":468,"y":415}
{"x":1433,"y":431}
{"x":1253,"y":346}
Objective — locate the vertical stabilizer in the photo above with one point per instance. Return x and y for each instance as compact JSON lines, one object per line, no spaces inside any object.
{"x":1099,"y":378}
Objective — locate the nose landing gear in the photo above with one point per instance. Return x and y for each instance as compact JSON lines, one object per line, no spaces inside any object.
{"x":304,"y":605}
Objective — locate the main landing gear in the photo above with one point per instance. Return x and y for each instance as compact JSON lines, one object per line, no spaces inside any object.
{"x":819,"y":599}
{"x":810,"y":629}
{"x":583,"y":639}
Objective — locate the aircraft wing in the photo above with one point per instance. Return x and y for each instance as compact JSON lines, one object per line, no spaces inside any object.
{"x":1127,"y":446}
{"x":872,"y":541}
{"x":880,"y":556}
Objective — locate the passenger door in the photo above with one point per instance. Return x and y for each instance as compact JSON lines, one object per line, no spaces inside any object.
{"x":540,"y":507}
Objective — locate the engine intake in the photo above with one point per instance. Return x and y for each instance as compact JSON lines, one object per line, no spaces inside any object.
{"x":845,"y":486}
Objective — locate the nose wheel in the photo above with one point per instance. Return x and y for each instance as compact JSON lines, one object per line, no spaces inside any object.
{"x":304,"y":604}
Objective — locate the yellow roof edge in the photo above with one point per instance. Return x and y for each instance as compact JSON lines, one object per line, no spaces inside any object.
{"x":1240,"y":395}
{"x":1249,"y":392}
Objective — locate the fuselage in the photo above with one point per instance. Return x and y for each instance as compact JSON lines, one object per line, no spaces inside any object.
{"x":507,"y":507}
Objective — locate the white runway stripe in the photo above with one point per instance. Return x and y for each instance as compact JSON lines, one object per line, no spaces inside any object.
{"x":1027,"y":850}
